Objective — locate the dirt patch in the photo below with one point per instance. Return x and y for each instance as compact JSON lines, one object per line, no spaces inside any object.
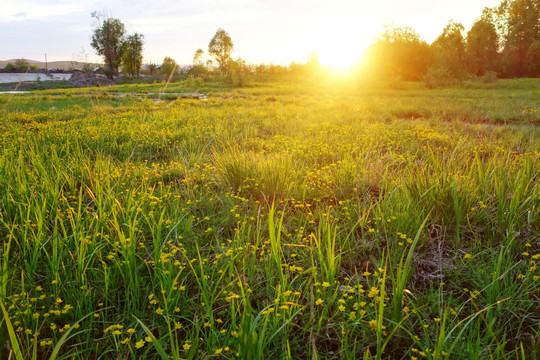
{"x":80,"y":79}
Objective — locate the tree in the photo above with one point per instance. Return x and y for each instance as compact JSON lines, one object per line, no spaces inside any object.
{"x":238,"y":69}
{"x":22,"y":65}
{"x":449,"y":49}
{"x":482,"y":47}
{"x":199,"y":68}
{"x":221,"y":48}
{"x":533,"y":59}
{"x":108,"y":40}
{"x":132,"y":54}
{"x":169,"y":66}
{"x":198,"y":58}
{"x":398,"y":53}
{"x":521,"y":19}
{"x":151,"y":68}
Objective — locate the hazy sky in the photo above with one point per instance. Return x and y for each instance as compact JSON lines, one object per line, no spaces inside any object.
{"x":267,"y":31}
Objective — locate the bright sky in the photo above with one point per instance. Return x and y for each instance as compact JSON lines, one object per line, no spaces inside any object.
{"x":269,"y":31}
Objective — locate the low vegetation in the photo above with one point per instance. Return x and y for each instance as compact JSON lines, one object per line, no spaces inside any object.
{"x":281,"y":220}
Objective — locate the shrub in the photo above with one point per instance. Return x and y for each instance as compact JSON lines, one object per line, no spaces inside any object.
{"x":489,"y":77}
{"x":194,"y":81}
{"x":197,"y":70}
{"x":22,"y":65}
{"x":439,"y":77}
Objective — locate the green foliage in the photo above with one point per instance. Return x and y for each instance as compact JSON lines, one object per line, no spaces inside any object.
{"x":533,"y":59}
{"x":21,"y":65}
{"x":449,"y":49}
{"x":108,"y":40}
{"x":151,"y":69}
{"x":238,"y":72}
{"x":198,"y":58}
{"x":489,"y":77}
{"x":197,"y":71}
{"x":520,"y":28}
{"x":132,"y":54}
{"x":503,"y":39}
{"x":12,"y":337}
{"x":399,"y":53}
{"x":281,"y":220}
{"x":169,"y":67}
{"x":482,"y":47}
{"x":10,"y":66}
{"x":439,"y":77}
{"x":221,"y":48}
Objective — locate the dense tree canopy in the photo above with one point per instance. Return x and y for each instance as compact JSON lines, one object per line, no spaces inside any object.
{"x":522,"y":26}
{"x":482,"y":47}
{"x":132,"y":54}
{"x":108,"y":40}
{"x":399,"y":53}
{"x":504,"y":40}
{"x":449,"y":48}
{"x":169,"y":66}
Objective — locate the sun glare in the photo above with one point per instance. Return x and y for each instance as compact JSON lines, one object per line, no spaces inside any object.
{"x":341,"y":56}
{"x":341,"y":45}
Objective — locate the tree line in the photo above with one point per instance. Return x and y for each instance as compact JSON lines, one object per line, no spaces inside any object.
{"x":504,"y":40}
{"x":125,"y":51}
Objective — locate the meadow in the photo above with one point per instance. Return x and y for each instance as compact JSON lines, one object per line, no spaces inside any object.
{"x":282,"y":220}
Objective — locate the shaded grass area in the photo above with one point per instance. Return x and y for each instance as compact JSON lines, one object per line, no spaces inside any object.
{"x":282,"y":220}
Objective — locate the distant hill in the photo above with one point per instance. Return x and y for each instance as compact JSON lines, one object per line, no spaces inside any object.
{"x":62,"y":65}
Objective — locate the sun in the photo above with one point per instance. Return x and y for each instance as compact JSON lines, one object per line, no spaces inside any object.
{"x":341,"y":45}
{"x":338,"y":56}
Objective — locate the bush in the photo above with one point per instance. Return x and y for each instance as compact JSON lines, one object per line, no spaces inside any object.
{"x":194,"y":81}
{"x":22,"y":65}
{"x":169,"y":68}
{"x":10,"y":67}
{"x":197,"y":70}
{"x":439,"y":77}
{"x":489,"y":77}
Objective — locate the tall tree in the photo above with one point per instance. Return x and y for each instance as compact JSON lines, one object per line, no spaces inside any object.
{"x":198,"y":57}
{"x":449,"y":48}
{"x":399,"y":53}
{"x":482,"y":47}
{"x":221,"y":48}
{"x":132,"y":54}
{"x":533,"y":59}
{"x":168,"y":67}
{"x":522,"y":30}
{"x":108,"y":40}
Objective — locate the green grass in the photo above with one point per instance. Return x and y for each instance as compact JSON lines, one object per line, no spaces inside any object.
{"x":288,"y":220}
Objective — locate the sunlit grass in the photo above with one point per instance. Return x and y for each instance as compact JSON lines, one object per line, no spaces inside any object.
{"x":310,"y":220}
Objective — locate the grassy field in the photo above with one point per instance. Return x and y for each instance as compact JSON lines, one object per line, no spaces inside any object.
{"x":281,"y":220}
